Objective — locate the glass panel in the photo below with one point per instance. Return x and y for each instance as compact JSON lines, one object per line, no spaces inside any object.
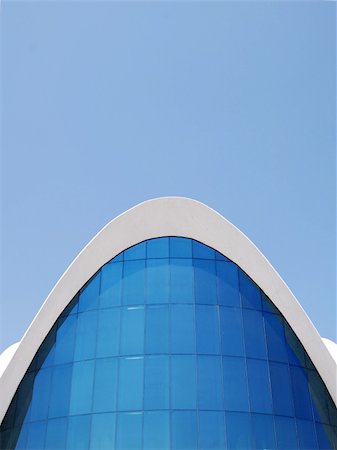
{"x":183,"y":382}
{"x":264,"y":432}
{"x":156,"y":430}
{"x":228,"y":284}
{"x":56,"y":434}
{"x":21,"y":442}
{"x":250,"y":293}
{"x":60,"y":390}
{"x":235,"y":384}
{"x":182,"y":289}
{"x":259,"y":386}
{"x":207,"y":324}
{"x":78,"y":432}
{"x":134,"y":282}
{"x":158,"y":248}
{"x":103,"y":428}
{"x":158,"y":281}
{"x":157,"y":329}
{"x":281,"y":389}
{"x":286,"y":433}
{"x":36,"y":435}
{"x":85,"y":344}
{"x":132,"y":336}
{"x":301,"y":394}
{"x":231,"y":331}
{"x":180,"y":247}
{"x":81,"y":387}
{"x":210,"y":395}
{"x":211,"y":430}
{"x":277,"y":347}
{"x":45,"y":355}
{"x":255,"y":341}
{"x":156,"y":386}
{"x":105,"y":385}
{"x":306,"y":435}
{"x":184,"y":430}
{"x":238,"y":431}
{"x":41,"y":392}
{"x":220,"y":257}
{"x":89,"y":295}
{"x":130,"y":389}
{"x":111,"y":285}
{"x":267,"y":305}
{"x":108,"y":332}
{"x":182,"y":329}
{"x":202,"y":251}
{"x":295,"y":348}
{"x":24,"y":399}
{"x":129,"y":431}
{"x":136,"y":252}
{"x":65,"y":340}
{"x":205,"y":282}
{"x":71,"y":308}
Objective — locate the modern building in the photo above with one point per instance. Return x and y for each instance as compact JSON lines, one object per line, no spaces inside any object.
{"x":170,"y":330}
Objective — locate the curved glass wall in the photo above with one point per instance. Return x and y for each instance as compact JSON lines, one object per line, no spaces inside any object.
{"x":171,"y":346}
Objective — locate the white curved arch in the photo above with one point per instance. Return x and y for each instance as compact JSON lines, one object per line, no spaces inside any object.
{"x":168,"y":216}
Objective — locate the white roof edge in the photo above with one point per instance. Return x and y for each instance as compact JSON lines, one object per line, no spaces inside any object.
{"x":6,"y":356}
{"x":332,"y":347}
{"x":167,"y":216}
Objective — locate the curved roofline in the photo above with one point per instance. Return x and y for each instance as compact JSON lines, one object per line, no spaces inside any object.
{"x":167,"y":216}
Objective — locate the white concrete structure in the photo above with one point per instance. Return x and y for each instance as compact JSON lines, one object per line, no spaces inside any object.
{"x":169,"y":216}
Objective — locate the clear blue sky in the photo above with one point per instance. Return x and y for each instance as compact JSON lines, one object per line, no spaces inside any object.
{"x":107,"y":104}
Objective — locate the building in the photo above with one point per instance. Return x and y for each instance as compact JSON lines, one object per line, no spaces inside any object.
{"x":169,"y":330}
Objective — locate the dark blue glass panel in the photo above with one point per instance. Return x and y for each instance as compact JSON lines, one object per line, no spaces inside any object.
{"x":158,"y":248}
{"x":129,"y":431}
{"x":103,"y":429}
{"x":89,"y":295}
{"x":157,"y":329}
{"x":82,"y":387}
{"x":136,"y":252}
{"x":184,"y":430}
{"x":207,"y":326}
{"x":211,"y":430}
{"x":158,"y":281}
{"x":235,"y":384}
{"x":183,"y":382}
{"x":301,"y":393}
{"x":72,"y":307}
{"x":182,"y":329}
{"x":267,"y":305}
{"x":286,"y":433}
{"x":319,"y":397}
{"x":276,"y":343}
{"x":220,"y":257}
{"x":24,"y":396}
{"x":132,"y":331}
{"x":105,"y":385}
{"x":111,"y":285}
{"x":134,"y":282}
{"x":209,"y":380}
{"x":205,"y":282}
{"x":36,"y":435}
{"x":264,"y":432}
{"x":231,"y":331}
{"x":40,"y":399}
{"x":65,"y":340}
{"x":156,"y":385}
{"x":60,"y":390}
{"x":22,"y":438}
{"x":250,"y":293}
{"x":108,"y":332}
{"x":294,"y":347}
{"x":228,"y":284}
{"x":182,"y":279}
{"x":326,"y":437}
{"x":238,"y":429}
{"x":281,"y":389}
{"x":46,"y":353}
{"x":180,"y":247}
{"x":306,"y":435}
{"x":85,"y":343}
{"x":202,"y":251}
{"x":259,"y":386}
{"x":78,"y":432}
{"x":156,"y":430}
{"x":255,"y":339}
{"x":130,"y":389}
{"x":56,"y":434}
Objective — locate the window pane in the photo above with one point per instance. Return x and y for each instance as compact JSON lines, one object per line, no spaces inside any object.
{"x":132,"y":335}
{"x":60,"y":390}
{"x":207,"y":324}
{"x":235,"y":384}
{"x":228,"y":284}
{"x":56,"y":434}
{"x":81,"y":387}
{"x":158,"y":248}
{"x":41,"y":392}
{"x":111,"y":285}
{"x":205,"y":282}
{"x":202,"y":251}
{"x":301,"y":394}
{"x":286,"y":433}
{"x":277,"y":347}
{"x":130,"y":390}
{"x":156,"y":395}
{"x":105,"y":385}
{"x":158,"y":281}
{"x":89,"y":295}
{"x":78,"y":432}
{"x":103,"y":428}
{"x":157,"y":329}
{"x":210,"y":395}
{"x":134,"y":282}
{"x":255,"y":341}
{"x":281,"y":389}
{"x":326,"y":436}
{"x":184,"y":430}
{"x":264,"y":432}
{"x":306,"y":435}
{"x":156,"y":430}
{"x":250,"y":293}
{"x":129,"y":431}
{"x":183,"y":382}
{"x":180,"y":247}
{"x":182,"y":329}
{"x":36,"y":435}
{"x":211,"y":430}
{"x":182,"y":290}
{"x":259,"y":386}
{"x":85,"y":344}
{"x":65,"y":340}
{"x":231,"y":331}
{"x":238,"y":431}
{"x":136,"y":252}
{"x":108,"y":332}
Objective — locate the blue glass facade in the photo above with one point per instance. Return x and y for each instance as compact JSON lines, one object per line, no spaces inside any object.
{"x":171,"y":346}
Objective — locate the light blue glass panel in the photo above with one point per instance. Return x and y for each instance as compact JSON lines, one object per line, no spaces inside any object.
{"x":36,"y":435}
{"x":255,"y":339}
{"x":231,"y":331}
{"x":301,"y":393}
{"x":276,"y":343}
{"x":205,"y":282}
{"x":182,"y":280}
{"x":130,"y":389}
{"x":132,"y":333}
{"x":264,"y":432}
{"x":156,"y":385}
{"x":71,"y":308}
{"x":89,"y":295}
{"x":235,"y":384}
{"x":136,"y":252}
{"x":207,"y":325}
{"x":56,"y":434}
{"x":82,"y":387}
{"x":65,"y":340}
{"x":129,"y":431}
{"x":108,"y":332}
{"x":60,"y":390}
{"x":180,"y":247}
{"x":250,"y":293}
{"x":281,"y":389}
{"x":78,"y":432}
{"x":286,"y":433}
{"x":85,"y":343}
{"x":184,"y":430}
{"x":111,"y":285}
{"x":105,"y":385}
{"x":134,"y":282}
{"x":182,"y":329}
{"x":209,"y":380}
{"x":41,"y":392}
{"x":158,"y":248}
{"x":202,"y":251}
{"x":156,"y":430}
{"x":158,"y":281}
{"x":228,"y":284}
{"x":259,"y":386}
{"x":103,"y":429}
{"x":157,"y":329}
{"x":183,"y":382}
{"x":238,"y":429}
{"x":306,"y":435}
{"x":211,"y":430}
